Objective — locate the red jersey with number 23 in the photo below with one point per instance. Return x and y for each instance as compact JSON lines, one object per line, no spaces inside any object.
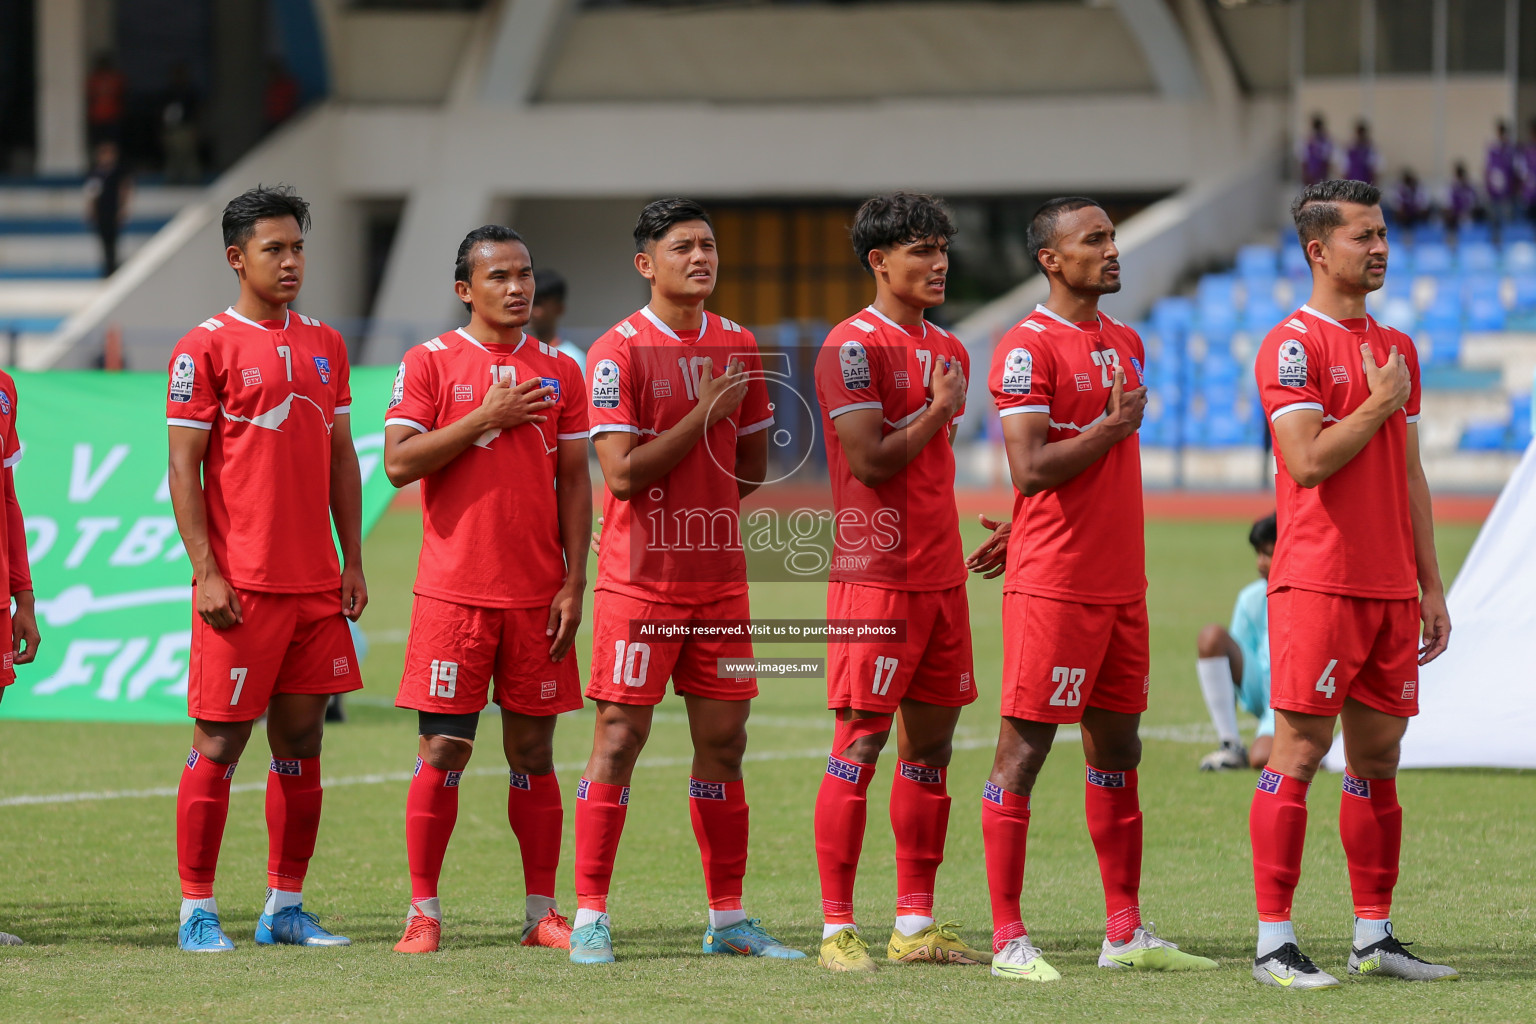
{"x":1082,"y":541}
{"x":1351,"y":534}
{"x":269,"y":394}
{"x":678,"y":541}
{"x":490,"y":518}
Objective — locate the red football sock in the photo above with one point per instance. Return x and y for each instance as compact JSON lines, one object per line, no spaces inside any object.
{"x":719,"y":814}
{"x":538,"y":818}
{"x":1114,"y":825}
{"x":920,"y":822}
{"x":1004,"y":833}
{"x":293,"y":820}
{"x":600,"y":811}
{"x":1371,"y":825}
{"x":842,"y":805}
{"x":1277,"y":827}
{"x":202,"y":805}
{"x":431,"y":809}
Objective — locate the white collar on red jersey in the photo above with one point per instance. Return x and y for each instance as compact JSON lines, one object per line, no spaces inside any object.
{"x":471,"y":339}
{"x":872,"y":311}
{"x":1328,"y":319}
{"x":1040,"y":308}
{"x":669,"y":332}
{"x":287,"y":316}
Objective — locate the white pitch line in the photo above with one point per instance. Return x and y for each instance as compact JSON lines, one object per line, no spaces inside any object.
{"x":1197,"y":733}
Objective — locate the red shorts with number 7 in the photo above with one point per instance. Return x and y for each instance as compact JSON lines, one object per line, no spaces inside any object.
{"x":1060,"y":657}
{"x":1326,"y":647}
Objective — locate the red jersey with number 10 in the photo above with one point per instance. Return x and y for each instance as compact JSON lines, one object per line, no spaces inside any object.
{"x":490,"y":517}
{"x":1082,"y":541}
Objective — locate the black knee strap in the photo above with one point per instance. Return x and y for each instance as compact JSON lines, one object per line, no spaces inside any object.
{"x":435,"y":723}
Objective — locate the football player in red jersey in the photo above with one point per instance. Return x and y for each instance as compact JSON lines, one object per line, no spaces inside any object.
{"x":891,"y":387}
{"x":680,"y":414}
{"x":494,"y":425}
{"x":261,"y":463}
{"x":1353,"y":582}
{"x":1068,"y":383}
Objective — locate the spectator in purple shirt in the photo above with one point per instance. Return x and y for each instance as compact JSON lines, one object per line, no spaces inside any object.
{"x":1361,"y":159}
{"x":1461,"y":203}
{"x":1409,"y":201}
{"x":1499,"y":175}
{"x":1317,"y":153}
{"x":1525,"y":168}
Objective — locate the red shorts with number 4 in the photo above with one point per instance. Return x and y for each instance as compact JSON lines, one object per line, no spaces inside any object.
{"x":455,"y":650}
{"x":1060,"y":657}
{"x":1325,"y":647}
{"x":284,"y":643}
{"x":630,"y":671}
{"x":931,"y":663}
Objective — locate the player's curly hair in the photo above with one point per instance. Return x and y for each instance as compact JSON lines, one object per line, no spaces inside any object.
{"x":263,"y":202}
{"x":464,"y":262}
{"x":1264,"y":533}
{"x":659,"y":217}
{"x":1041,"y":233}
{"x":1316,"y":209}
{"x":898,"y":218}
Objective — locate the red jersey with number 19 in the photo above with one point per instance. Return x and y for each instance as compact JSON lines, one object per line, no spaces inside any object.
{"x":679,"y":540}
{"x":1351,"y":534}
{"x":491,"y":521}
{"x":1081,"y":541}
{"x":269,"y":393}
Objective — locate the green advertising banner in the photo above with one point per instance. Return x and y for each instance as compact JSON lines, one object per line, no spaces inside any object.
{"x":113,"y":584}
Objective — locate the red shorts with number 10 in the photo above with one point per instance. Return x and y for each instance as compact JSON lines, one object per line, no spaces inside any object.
{"x":626,"y":670}
{"x":1326,"y":647}
{"x":1060,"y":657}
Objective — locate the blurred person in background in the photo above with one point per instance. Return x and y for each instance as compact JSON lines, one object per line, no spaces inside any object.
{"x":1525,"y":168}
{"x":107,"y":192}
{"x":178,"y":130}
{"x":1316,"y":153}
{"x":548,"y":308}
{"x":1361,"y":159}
{"x":1461,"y":200}
{"x":104,"y":91}
{"x":280,"y":98}
{"x":1238,"y":656}
{"x":1410,"y":203}
{"x":1499,"y":175}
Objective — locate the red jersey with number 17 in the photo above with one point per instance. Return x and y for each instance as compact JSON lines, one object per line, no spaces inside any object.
{"x":490,"y":518}
{"x":269,"y":394}
{"x":1082,"y":541}
{"x":1351,"y":534}
{"x":679,"y":540}
{"x":905,"y":533}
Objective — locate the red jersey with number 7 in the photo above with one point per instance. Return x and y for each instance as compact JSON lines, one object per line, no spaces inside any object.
{"x":1351,"y":534}
{"x":679,"y":540}
{"x":1083,"y":540}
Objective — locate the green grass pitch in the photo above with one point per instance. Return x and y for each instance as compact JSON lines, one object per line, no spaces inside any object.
{"x":92,"y":884}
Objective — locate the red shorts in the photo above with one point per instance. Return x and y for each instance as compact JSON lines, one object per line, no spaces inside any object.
{"x":626,"y":671}
{"x":932,"y":663}
{"x":1325,"y":647}
{"x":7,"y":656}
{"x":285,"y":643}
{"x":455,"y":650}
{"x":1060,"y":657}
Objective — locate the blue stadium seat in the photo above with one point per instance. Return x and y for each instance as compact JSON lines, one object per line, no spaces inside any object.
{"x":1441,"y":339}
{"x":1484,"y":304}
{"x":1478,"y":258}
{"x":1520,"y":423}
{"x":1293,"y":261}
{"x":1525,"y":291}
{"x":1261,"y":316}
{"x":1173,"y":317}
{"x":1517,"y":232}
{"x":1519,"y":257}
{"x":1399,"y":312}
{"x":1484,"y":436}
{"x":1433,"y":258}
{"x":1475,"y":231}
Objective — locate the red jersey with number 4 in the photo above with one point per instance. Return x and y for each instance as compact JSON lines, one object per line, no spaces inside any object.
{"x":269,"y":394}
{"x":1082,"y":541}
{"x":1351,"y":534}
{"x":490,"y":518}
{"x":679,"y":540}
{"x":904,"y":533}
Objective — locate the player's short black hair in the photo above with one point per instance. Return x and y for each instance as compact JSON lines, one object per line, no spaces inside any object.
{"x":464,"y":263}
{"x":1316,"y":209}
{"x":548,"y":284}
{"x":1041,"y":233}
{"x":658,"y":218}
{"x":898,"y":218}
{"x":261,"y":203}
{"x":1263,"y":533}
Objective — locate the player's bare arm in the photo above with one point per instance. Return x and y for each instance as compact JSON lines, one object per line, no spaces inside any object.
{"x":1432,"y":609}
{"x":573,"y":495}
{"x":217,"y":604}
{"x":410,"y":454}
{"x":751,"y":462}
{"x":1038,"y":465}
{"x":875,"y":456}
{"x":629,"y":467}
{"x":347,"y":511}
{"x":1314,"y":452}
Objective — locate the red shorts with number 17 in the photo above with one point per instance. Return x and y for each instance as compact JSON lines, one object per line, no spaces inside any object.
{"x":1060,"y":657}
{"x":1326,"y":647}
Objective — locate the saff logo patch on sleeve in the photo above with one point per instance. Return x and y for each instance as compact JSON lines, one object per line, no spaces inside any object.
{"x":605,"y":385}
{"x":183,"y":374}
{"x":398,"y":395}
{"x":1018,"y":372}
{"x":323,"y":367}
{"x":854,"y":362}
{"x":1293,"y":364}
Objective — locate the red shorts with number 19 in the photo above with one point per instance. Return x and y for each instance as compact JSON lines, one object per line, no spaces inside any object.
{"x":627,"y":670}
{"x":1325,"y":647}
{"x":284,"y":643}
{"x":1060,"y":657}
